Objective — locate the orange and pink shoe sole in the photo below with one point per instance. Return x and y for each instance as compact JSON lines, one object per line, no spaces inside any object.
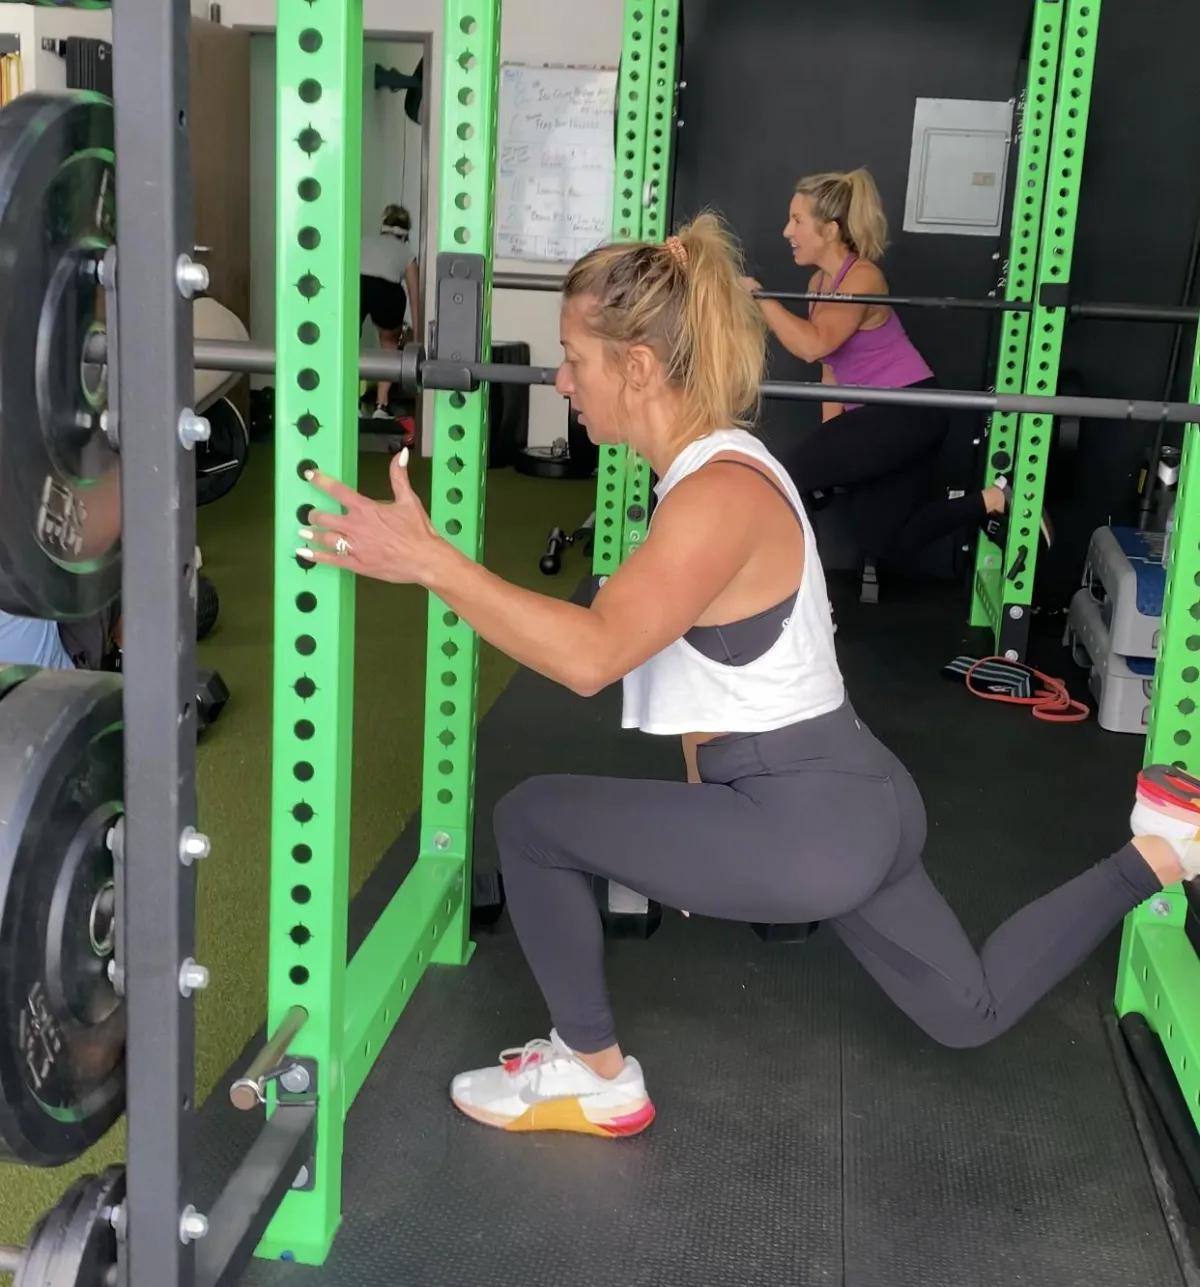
{"x":566,"y":1114}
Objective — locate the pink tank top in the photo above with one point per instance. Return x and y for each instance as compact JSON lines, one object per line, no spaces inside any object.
{"x":884,"y":358}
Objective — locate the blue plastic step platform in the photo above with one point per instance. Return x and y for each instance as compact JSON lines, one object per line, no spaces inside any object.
{"x":1125,"y":576}
{"x":1121,"y":686}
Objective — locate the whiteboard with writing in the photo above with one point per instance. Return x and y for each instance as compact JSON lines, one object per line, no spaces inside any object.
{"x":554,"y":178}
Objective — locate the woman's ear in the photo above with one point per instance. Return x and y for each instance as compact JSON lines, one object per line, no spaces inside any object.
{"x":641,"y":366}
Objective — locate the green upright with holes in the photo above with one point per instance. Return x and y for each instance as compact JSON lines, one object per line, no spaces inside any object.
{"x":645,"y":135}
{"x":1048,"y":321}
{"x":470,"y":90}
{"x":353,"y":1009}
{"x":319,"y":69}
{"x":1036,"y":117}
{"x":1159,"y":973}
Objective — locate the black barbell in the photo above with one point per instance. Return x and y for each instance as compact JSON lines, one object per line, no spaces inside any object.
{"x":415,"y":371}
{"x":1052,"y":297}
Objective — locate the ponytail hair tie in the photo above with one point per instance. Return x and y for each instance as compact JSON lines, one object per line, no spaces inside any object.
{"x":678,"y":251}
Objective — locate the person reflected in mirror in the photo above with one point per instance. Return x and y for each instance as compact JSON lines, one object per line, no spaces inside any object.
{"x":389,"y":286}
{"x":883,"y":456}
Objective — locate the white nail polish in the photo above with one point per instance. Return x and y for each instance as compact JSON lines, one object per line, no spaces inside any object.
{"x":306,"y":534}
{"x":304,"y":553}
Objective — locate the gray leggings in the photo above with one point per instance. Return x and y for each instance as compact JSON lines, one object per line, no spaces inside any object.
{"x":814,"y":822}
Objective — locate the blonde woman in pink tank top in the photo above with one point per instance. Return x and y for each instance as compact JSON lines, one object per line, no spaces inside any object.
{"x":881,"y":455}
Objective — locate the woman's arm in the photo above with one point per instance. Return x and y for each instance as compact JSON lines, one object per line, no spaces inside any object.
{"x":831,"y":324}
{"x":652,"y":599}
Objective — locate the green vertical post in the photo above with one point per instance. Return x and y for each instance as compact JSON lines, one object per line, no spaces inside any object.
{"x":470,"y":95}
{"x":319,"y":153}
{"x":645,"y":133}
{"x":1159,"y":973}
{"x":1047,"y":324}
{"x":1029,"y":198}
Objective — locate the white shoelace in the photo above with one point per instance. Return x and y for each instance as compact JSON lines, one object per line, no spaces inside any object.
{"x":532,"y":1055}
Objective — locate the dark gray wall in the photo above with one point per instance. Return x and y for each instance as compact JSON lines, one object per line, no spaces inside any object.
{"x":780,"y":88}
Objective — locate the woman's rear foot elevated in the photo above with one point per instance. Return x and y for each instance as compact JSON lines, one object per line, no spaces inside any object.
{"x":1168,"y":806}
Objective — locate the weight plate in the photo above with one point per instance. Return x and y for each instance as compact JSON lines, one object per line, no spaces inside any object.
{"x":62,"y":1027}
{"x":220,"y":460}
{"x":59,"y":478}
{"x":85,"y":1254}
{"x":39,"y":1267}
{"x":546,"y":462}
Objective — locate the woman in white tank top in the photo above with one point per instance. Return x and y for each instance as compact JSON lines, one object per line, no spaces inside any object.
{"x":719,"y":629}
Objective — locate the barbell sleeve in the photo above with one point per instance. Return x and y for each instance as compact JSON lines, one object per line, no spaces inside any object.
{"x":11,"y":1259}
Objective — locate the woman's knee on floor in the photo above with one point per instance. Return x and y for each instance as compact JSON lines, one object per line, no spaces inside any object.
{"x":962,"y":1023}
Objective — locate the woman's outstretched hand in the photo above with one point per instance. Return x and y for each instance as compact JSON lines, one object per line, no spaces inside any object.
{"x":386,"y":541}
{"x":749,"y":284}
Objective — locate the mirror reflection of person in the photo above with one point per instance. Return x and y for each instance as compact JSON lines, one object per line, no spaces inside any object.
{"x":94,"y":516}
{"x":388,"y":285}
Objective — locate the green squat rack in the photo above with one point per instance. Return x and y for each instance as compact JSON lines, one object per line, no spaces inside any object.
{"x":1057,"y":98}
{"x":645,"y":133}
{"x":1159,"y":973}
{"x":353,"y":1008}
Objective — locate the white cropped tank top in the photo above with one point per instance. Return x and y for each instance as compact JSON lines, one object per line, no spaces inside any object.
{"x":680,"y":690}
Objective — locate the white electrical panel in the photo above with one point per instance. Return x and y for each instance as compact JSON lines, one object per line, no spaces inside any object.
{"x":958,"y":171}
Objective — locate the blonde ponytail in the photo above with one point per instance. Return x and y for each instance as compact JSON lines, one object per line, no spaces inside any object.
{"x":684,"y":300}
{"x":852,"y":201}
{"x":723,"y":347}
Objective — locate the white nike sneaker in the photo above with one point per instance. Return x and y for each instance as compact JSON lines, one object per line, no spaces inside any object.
{"x":544,"y":1086}
{"x":1168,"y":805}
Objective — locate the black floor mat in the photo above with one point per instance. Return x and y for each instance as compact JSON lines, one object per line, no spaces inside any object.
{"x":807,"y":1133}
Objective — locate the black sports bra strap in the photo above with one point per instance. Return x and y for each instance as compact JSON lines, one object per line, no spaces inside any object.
{"x":769,"y":476}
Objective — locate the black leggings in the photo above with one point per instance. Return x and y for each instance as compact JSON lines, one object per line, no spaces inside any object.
{"x":817,"y":821}
{"x":883,"y":457}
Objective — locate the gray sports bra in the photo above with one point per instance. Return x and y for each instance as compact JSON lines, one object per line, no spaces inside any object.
{"x":741,"y":642}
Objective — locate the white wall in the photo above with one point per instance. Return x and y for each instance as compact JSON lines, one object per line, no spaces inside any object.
{"x":42,"y":69}
{"x":584,"y":32}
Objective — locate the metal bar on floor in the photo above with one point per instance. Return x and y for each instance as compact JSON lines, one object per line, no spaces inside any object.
{"x":154,"y":221}
{"x":273,"y":1165}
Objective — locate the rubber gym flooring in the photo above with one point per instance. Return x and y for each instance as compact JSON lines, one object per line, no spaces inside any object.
{"x":807,"y":1133}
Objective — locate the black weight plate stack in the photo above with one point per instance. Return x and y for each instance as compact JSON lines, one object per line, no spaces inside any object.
{"x":75,"y":1243}
{"x":578,"y":460}
{"x":59,"y":479}
{"x":62,"y":1027}
{"x":221,"y":460}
